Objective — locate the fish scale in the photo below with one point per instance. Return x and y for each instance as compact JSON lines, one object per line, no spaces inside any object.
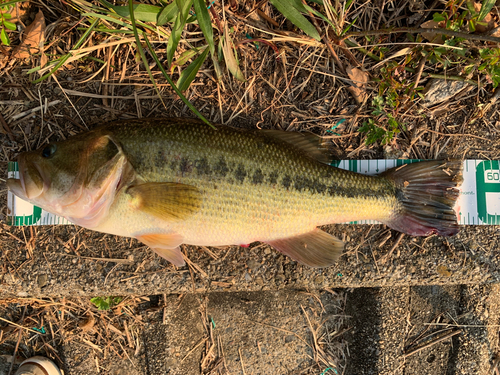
{"x":235,"y":210}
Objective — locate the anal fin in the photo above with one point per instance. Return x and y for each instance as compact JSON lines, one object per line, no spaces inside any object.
{"x":313,"y":249}
{"x":165,"y":245}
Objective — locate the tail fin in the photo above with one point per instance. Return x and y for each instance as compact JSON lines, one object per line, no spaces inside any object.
{"x":427,"y":192}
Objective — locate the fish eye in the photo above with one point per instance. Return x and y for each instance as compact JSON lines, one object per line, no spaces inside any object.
{"x":49,"y":151}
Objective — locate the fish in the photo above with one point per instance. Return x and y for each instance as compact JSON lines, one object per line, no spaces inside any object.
{"x":173,"y":181}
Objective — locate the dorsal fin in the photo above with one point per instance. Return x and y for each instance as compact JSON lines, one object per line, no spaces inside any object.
{"x":310,"y":144}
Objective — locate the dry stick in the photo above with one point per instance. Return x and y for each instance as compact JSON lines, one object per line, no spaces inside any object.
{"x":18,"y":341}
{"x":33,"y":110}
{"x":412,"y":30}
{"x":420,"y":69}
{"x":439,"y":339}
{"x":241,"y":361}
{"x":5,"y":126}
{"x":19,"y":326}
{"x":457,"y":135}
{"x":393,"y":247}
{"x":202,"y":341}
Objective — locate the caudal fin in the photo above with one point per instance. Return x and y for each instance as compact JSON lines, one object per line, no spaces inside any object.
{"x":426,"y":193}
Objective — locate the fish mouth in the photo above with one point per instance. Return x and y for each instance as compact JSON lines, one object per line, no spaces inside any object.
{"x":31,"y":183}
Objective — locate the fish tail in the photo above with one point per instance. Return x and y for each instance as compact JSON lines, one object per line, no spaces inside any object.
{"x":426,"y":193}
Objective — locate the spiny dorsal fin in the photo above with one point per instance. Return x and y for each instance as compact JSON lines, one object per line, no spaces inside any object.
{"x":310,"y":144}
{"x":165,"y":200}
{"x":314,"y":249}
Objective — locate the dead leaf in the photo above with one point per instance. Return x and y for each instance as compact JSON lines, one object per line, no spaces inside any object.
{"x":402,"y":52}
{"x":432,"y":37}
{"x":359,"y":79}
{"x":34,"y":36}
{"x":87,"y":324}
{"x":488,"y":20}
{"x":231,"y":62}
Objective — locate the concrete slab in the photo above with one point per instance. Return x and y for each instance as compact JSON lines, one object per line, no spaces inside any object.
{"x":434,"y":330}
{"x":70,"y":261}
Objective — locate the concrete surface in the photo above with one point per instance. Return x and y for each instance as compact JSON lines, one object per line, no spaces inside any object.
{"x":69,"y":261}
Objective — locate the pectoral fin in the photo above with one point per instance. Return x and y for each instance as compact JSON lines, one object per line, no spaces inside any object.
{"x":314,"y":249}
{"x":165,"y":200}
{"x":165,"y":245}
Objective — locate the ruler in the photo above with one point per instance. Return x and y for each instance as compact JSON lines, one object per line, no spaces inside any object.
{"x":478,"y":203}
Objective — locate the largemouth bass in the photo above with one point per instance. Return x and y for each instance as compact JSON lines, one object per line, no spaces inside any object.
{"x":172,"y":181}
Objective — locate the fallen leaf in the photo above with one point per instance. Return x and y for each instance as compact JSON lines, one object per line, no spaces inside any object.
{"x":431,"y":36}
{"x":34,"y":36}
{"x":231,"y":62}
{"x":359,"y":80}
{"x":402,"y":52}
{"x":87,"y":324}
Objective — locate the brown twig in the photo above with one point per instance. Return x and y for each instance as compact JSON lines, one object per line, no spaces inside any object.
{"x":266,"y":42}
{"x":433,"y":342}
{"x":457,"y":135}
{"x":217,"y":20}
{"x":18,"y":342}
{"x":413,"y":30}
{"x":6,"y":128}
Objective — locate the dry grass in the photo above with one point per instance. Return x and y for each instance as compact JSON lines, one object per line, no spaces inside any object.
{"x":32,"y":326}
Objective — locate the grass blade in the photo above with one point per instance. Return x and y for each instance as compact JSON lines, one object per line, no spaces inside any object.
{"x":190,"y":72}
{"x":169,"y":80}
{"x":185,"y":56}
{"x":231,"y":63}
{"x":10,"y":3}
{"x":61,"y":62}
{"x":142,"y":12}
{"x":167,"y":14}
{"x":205,"y":23}
{"x":485,"y":9}
{"x":180,"y":22}
{"x":141,"y":50}
{"x":293,"y":14}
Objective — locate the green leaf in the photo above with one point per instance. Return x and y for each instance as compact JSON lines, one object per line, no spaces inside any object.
{"x":437,"y":17}
{"x":141,"y":50}
{"x":231,"y":63}
{"x":4,"y":37}
{"x":142,"y":12}
{"x":180,"y":22}
{"x":5,"y":5}
{"x":205,"y":22}
{"x":78,"y":44}
{"x":190,"y":72}
{"x":6,"y":16}
{"x":167,"y":14}
{"x":177,"y":91}
{"x":294,"y":15}
{"x":105,"y":303}
{"x":10,"y":25}
{"x":185,"y":56}
{"x":485,"y":9}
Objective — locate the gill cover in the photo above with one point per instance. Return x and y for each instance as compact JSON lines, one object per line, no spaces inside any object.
{"x":76,"y":178}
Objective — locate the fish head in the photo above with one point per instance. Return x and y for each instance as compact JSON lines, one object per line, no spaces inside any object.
{"x":76,"y":178}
